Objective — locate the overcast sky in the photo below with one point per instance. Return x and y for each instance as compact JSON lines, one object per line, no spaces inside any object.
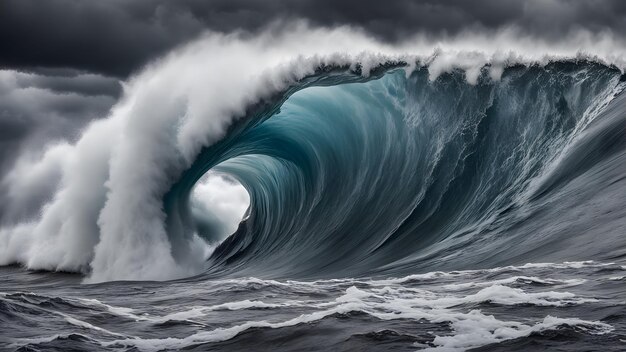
{"x":116,"y":37}
{"x":62,"y":61}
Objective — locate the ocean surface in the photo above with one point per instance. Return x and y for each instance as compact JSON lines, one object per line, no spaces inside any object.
{"x":576,"y":306}
{"x":394,"y":211}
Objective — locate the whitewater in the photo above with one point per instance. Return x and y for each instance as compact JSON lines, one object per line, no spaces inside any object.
{"x":460,"y":194}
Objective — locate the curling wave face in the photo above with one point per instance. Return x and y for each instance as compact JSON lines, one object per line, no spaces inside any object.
{"x":356,"y":163}
{"x":403,"y":174}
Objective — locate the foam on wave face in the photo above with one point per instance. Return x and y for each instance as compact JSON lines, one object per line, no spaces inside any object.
{"x":106,"y":216}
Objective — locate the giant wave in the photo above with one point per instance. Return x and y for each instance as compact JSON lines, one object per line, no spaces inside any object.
{"x":403,"y":174}
{"x":357,"y":163}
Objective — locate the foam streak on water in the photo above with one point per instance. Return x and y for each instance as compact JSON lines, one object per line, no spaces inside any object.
{"x":568,"y":305}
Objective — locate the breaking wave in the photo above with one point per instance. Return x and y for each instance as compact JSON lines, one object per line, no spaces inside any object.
{"x":358,"y":160}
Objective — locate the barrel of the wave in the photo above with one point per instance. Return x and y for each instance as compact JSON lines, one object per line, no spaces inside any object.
{"x":402,"y":174}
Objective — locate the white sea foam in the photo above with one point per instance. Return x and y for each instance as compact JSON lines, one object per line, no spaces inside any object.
{"x":469,"y":329}
{"x":482,"y":331}
{"x":434,"y":275}
{"x":119,"y":311}
{"x":513,"y":280}
{"x":201,"y":311}
{"x":86,"y":325}
{"x":515,"y":268}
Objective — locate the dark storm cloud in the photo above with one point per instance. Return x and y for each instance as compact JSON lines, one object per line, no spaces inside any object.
{"x":35,"y":109}
{"x":81,"y":84}
{"x":117,"y":37}
{"x":41,"y":108}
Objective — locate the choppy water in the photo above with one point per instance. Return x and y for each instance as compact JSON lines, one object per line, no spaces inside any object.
{"x":578,"y":306}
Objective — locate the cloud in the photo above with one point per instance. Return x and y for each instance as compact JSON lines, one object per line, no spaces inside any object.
{"x":36,"y":111}
{"x":118,"y":37}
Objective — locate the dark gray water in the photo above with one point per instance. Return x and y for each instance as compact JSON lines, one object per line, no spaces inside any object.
{"x":578,"y":306}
